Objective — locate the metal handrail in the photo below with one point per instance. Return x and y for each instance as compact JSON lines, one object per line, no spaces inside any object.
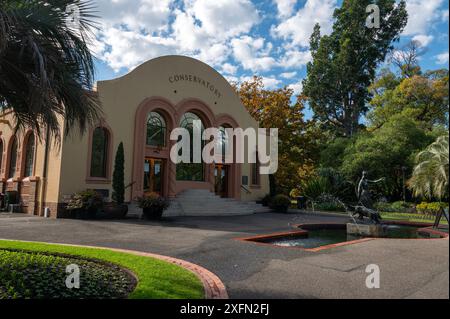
{"x":129,"y":185}
{"x":246,"y":189}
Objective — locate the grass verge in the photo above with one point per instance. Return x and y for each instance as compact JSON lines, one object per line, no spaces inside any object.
{"x":410,"y":218}
{"x":156,"y":279}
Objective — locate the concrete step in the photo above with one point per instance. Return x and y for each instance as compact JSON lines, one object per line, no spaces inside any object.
{"x":202,"y":202}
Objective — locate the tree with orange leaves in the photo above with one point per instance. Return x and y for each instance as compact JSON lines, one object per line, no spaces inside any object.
{"x":298,"y":138}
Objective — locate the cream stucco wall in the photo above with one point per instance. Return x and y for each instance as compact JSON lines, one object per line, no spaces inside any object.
{"x":121,"y":98}
{"x":7,"y":124}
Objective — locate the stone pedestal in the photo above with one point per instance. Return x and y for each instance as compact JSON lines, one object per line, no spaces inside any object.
{"x":366,"y":230}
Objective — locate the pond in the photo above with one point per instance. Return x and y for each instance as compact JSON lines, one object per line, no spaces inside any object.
{"x":317,"y":237}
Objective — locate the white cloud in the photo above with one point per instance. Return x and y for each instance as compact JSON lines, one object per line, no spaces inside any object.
{"x":444,"y":15}
{"x":134,"y":31}
{"x":285,"y":7}
{"x":252,"y":53}
{"x":150,"y":15}
{"x":131,"y":48}
{"x":442,"y":58}
{"x":288,"y":75}
{"x":295,"y":59}
{"x":229,"y":68}
{"x":421,"y":14}
{"x":297,"y":87}
{"x":423,"y":39}
{"x":223,"y":18}
{"x":269,"y":82}
{"x":298,"y":28}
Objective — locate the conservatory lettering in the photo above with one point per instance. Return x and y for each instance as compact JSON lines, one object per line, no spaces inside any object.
{"x":195,"y":79}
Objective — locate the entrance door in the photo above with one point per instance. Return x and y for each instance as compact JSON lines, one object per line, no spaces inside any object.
{"x":153,"y":176}
{"x":221,"y":180}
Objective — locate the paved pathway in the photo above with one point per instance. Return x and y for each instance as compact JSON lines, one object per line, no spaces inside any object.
{"x":409,"y":268}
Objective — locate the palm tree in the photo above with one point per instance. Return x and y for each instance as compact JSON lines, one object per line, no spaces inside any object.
{"x":46,"y":67}
{"x":430,"y":175}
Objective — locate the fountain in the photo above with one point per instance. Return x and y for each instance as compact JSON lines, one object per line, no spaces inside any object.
{"x":369,"y":219}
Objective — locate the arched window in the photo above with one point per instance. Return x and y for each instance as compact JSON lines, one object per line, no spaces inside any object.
{"x":29,"y":156}
{"x":156,"y":130}
{"x":223,"y":141}
{"x":99,"y":153}
{"x":12,"y":158}
{"x":191,"y":171}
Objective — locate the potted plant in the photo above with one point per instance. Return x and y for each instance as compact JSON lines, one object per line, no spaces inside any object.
{"x":153,"y":206}
{"x":265,"y":201}
{"x":117,"y":208}
{"x":280,"y":203}
{"x":85,"y":204}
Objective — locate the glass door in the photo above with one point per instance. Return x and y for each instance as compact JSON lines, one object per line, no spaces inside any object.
{"x":221,"y":180}
{"x":153,"y":176}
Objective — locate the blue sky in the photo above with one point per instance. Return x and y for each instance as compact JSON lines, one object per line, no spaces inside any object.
{"x":242,"y":38}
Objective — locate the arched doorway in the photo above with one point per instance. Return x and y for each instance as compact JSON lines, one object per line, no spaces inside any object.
{"x":152,"y":168}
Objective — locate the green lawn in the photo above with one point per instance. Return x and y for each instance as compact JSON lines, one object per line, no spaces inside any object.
{"x":400,"y":216}
{"x":156,"y":279}
{"x":410,"y":217}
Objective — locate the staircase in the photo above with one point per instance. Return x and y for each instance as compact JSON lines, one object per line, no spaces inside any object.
{"x":201,"y":202}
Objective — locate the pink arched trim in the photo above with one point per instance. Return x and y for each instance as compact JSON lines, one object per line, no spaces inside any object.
{"x":22,"y":159}
{"x":173,"y":114}
{"x":109,"y":156}
{"x":2,"y":157}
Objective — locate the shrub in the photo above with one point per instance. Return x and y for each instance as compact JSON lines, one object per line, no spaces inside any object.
{"x":118,"y":183}
{"x":330,"y":207}
{"x":315,"y":187}
{"x":395,"y":207}
{"x":430,"y":208}
{"x":280,"y":203}
{"x":265,"y":201}
{"x":327,"y":202}
{"x":153,"y":205}
{"x":401,"y":206}
{"x":85,"y":204}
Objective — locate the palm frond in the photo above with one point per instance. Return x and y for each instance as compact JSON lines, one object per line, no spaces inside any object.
{"x":431,"y":173}
{"x":46,"y":68}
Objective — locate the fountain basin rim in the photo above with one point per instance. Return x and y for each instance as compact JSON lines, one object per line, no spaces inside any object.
{"x":304,"y":228}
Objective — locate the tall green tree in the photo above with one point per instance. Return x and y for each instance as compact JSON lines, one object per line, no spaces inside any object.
{"x":422,"y":97}
{"x":118,"y":182}
{"x":388,"y":152}
{"x":344,"y":63}
{"x":46,"y":67}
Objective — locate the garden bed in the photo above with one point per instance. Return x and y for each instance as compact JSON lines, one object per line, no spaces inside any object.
{"x":38,"y":275}
{"x":155,"y":278}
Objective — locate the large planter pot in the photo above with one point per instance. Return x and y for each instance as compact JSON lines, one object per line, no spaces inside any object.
{"x":152,"y":213}
{"x":114,"y":211}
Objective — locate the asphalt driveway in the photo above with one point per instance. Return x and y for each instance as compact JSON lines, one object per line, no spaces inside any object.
{"x":409,"y":268}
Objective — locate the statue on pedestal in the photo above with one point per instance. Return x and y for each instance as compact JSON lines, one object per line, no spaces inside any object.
{"x":365,"y":204}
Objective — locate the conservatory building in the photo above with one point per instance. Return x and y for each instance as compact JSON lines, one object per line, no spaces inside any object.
{"x":140,"y":110}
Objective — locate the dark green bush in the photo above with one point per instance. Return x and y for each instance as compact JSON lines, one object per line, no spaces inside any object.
{"x":280,"y":203}
{"x":85,"y":204}
{"x":265,"y":201}
{"x":153,"y":205}
{"x":118,"y":183}
{"x":395,"y":207}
